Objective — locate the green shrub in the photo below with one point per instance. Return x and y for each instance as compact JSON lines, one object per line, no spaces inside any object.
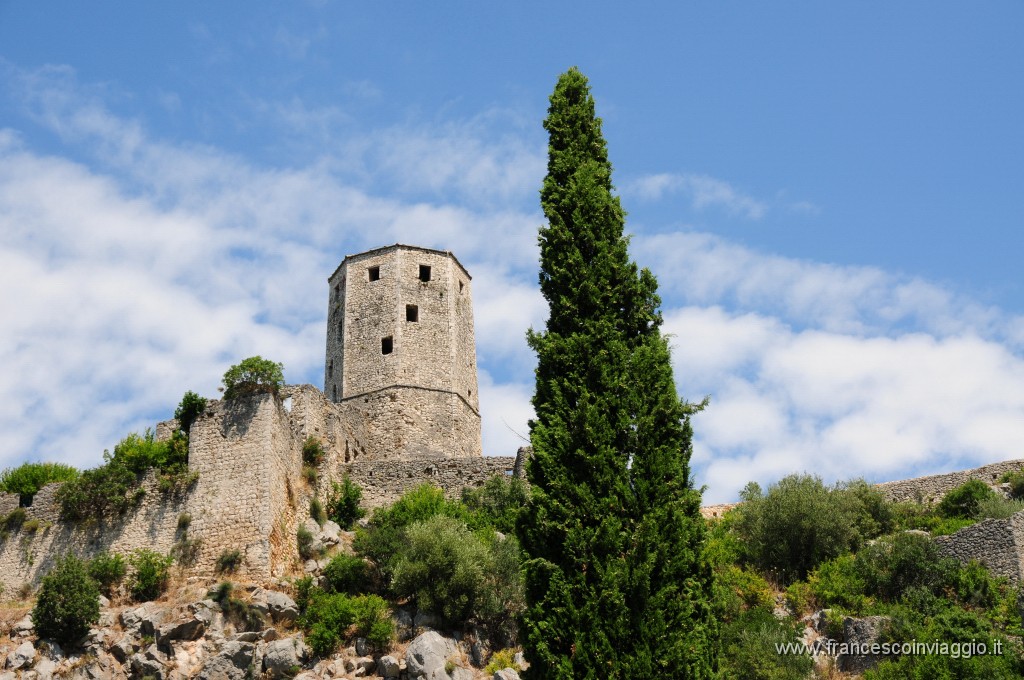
{"x":304,"y":541}
{"x":838,"y":583}
{"x":228,"y":561}
{"x":738,"y":589}
{"x":345,"y":574}
{"x":503,"y":658}
{"x":13,"y":520}
{"x":800,"y":598}
{"x":152,"y":574}
{"x":343,"y":505}
{"x":383,"y":539}
{"x":316,"y":511}
{"x":190,"y":408}
{"x":330,"y":618}
{"x":496,"y":504}
{"x":28,"y":478}
{"x":108,"y":570}
{"x":1016,"y":481}
{"x":68,"y":602}
{"x":998,"y":507}
{"x":303,"y":588}
{"x":890,"y":567}
{"x":458,"y":575}
{"x":186,"y":550}
{"x":312,"y":451}
{"x":799,"y":523}
{"x":243,"y":615}
{"x":964,"y":501}
{"x":105,"y":491}
{"x":750,"y":649}
{"x":184,"y":521}
{"x":254,"y":375}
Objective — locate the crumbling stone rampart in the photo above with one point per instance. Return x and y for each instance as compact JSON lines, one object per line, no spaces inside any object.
{"x":996,"y":543}
{"x":932,"y":488}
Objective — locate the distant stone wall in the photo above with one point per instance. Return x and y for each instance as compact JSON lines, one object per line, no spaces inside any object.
{"x":996,"y":543}
{"x":383,"y":482}
{"x":931,"y":489}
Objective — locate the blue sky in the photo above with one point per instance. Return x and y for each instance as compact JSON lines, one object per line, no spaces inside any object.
{"x":831,"y":197}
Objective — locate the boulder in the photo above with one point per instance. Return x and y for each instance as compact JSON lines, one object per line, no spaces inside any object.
{"x":231,"y":663}
{"x":23,"y":626}
{"x":282,"y":657}
{"x":142,"y":620}
{"x":861,"y":632}
{"x":506,"y":674}
{"x":186,"y":629}
{"x":45,"y":668}
{"x":388,"y":667}
{"x":427,"y":654}
{"x":282,"y":608}
{"x":148,"y":662}
{"x":22,"y":657}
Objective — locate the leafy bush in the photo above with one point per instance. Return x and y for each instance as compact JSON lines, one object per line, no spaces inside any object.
{"x":243,"y":615}
{"x":345,"y":574}
{"x":331,"y":617}
{"x":1016,"y":481}
{"x":152,"y":574}
{"x":738,"y":589}
{"x":190,"y":408}
{"x":343,"y":505}
{"x":926,"y":518}
{"x":457,"y":575}
{"x":964,"y":501}
{"x":383,"y":539}
{"x":503,"y":658}
{"x":998,"y":507}
{"x":312,"y":451}
{"x":800,"y":598}
{"x":890,"y":567}
{"x":316,"y":511}
{"x":750,"y":649}
{"x":838,"y":583}
{"x":496,"y":504}
{"x":108,"y":570}
{"x":105,"y":491}
{"x":304,"y":541}
{"x":799,"y":523}
{"x":303,"y":587}
{"x":254,"y":375}
{"x":28,"y":478}
{"x":228,"y":561}
{"x":68,"y":602}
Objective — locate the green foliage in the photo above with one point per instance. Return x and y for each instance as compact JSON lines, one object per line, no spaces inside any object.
{"x":108,"y":570}
{"x":799,"y":523}
{"x":1016,"y":481}
{"x":458,"y":575}
{"x":496,"y":504}
{"x":964,"y":501}
{"x":838,"y":583}
{"x":998,"y":507}
{"x":343,"y":505}
{"x":312,"y":451}
{"x":316,"y":511}
{"x":28,"y":478}
{"x":384,"y":538}
{"x":738,"y":590}
{"x":190,"y":408}
{"x":184,"y":521}
{"x":304,"y":541}
{"x":152,"y":573}
{"x":68,"y":602}
{"x":616,"y":581}
{"x":926,"y":518}
{"x":503,"y":658}
{"x":13,"y":520}
{"x":228,"y":561}
{"x":254,"y":375}
{"x":243,"y":615}
{"x":346,"y":574}
{"x":303,"y":588}
{"x":800,"y":598}
{"x":330,"y":618}
{"x":750,"y":647}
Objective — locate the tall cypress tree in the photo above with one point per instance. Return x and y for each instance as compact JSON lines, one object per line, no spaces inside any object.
{"x":616,"y":582}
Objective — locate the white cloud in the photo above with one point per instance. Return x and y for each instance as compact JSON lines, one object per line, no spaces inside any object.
{"x":703,"y":191}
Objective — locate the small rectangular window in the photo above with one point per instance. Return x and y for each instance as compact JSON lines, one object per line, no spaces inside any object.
{"x":387,"y":345}
{"x":337,"y":291}
{"x":424,"y":272}
{"x":412,"y":313}
{"x":374,"y":273}
{"x":330,"y":369}
{"x":460,"y":286}
{"x":341,"y":328}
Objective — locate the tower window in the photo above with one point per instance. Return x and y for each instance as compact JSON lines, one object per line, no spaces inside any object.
{"x":424,"y":272}
{"x":374,"y":273}
{"x":341,"y":328}
{"x":337,"y":291}
{"x":387,"y":345}
{"x":412,"y":313}
{"x":335,"y":392}
{"x":330,"y":369}
{"x":460,"y":286}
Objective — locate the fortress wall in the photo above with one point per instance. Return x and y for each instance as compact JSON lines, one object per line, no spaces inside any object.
{"x":992,"y":542}
{"x":26,"y":556}
{"x":383,"y":482}
{"x":931,"y":489}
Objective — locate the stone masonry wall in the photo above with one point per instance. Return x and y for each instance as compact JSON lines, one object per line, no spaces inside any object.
{"x":383,"y":482}
{"x":996,"y":543}
{"x":931,"y":489}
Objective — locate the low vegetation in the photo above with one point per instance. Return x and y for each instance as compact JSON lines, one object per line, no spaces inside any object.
{"x":343,"y":505}
{"x":254,"y":375}
{"x":67,"y":603}
{"x":152,"y":573}
{"x":28,"y":478}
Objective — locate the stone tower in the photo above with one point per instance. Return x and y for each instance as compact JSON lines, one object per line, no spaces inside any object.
{"x":401,"y":356}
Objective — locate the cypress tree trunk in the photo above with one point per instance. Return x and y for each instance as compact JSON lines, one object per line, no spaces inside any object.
{"x":616,"y":582}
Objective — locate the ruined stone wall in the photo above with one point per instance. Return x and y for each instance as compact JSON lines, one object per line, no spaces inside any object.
{"x":383,"y":482}
{"x":932,"y":488}
{"x":996,"y":543}
{"x":26,"y":556}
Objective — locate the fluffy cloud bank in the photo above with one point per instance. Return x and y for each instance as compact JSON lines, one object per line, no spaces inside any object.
{"x":134,"y":268}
